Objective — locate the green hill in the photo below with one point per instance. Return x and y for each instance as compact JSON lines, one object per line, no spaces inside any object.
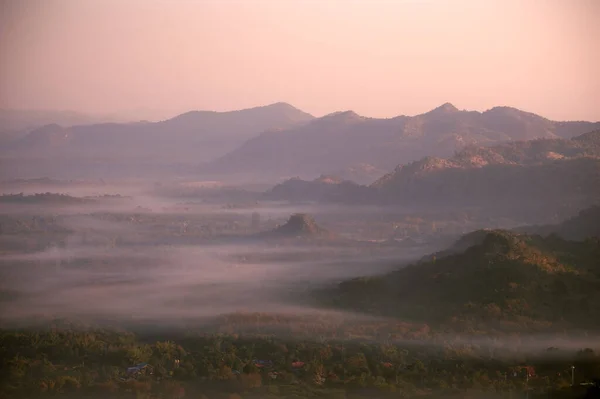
{"x":505,"y":281}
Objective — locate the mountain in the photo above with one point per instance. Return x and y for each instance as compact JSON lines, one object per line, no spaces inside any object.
{"x":322,"y":189}
{"x":299,"y":225}
{"x":16,"y":124}
{"x":15,"y":120}
{"x":340,"y":140}
{"x":505,"y":281}
{"x":546,"y":174}
{"x":187,"y":139}
{"x":545,"y":179}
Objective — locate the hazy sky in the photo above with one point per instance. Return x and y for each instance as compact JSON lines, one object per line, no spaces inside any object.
{"x":378,"y":58}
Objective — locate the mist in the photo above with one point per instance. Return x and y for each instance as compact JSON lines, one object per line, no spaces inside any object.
{"x":84,"y":274}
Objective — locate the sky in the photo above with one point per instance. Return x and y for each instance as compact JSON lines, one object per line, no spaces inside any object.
{"x":378,"y":58}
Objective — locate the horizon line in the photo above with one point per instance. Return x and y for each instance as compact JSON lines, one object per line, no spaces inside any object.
{"x":122,"y":116}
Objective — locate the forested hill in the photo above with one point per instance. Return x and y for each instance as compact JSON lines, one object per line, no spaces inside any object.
{"x":506,"y":281}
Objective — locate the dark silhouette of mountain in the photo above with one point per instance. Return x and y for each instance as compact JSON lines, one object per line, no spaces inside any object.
{"x":506,"y":280}
{"x":322,"y":189}
{"x":337,"y":141}
{"x":299,"y":225}
{"x":189,"y":138}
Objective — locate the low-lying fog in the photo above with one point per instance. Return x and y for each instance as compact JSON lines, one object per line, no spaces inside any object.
{"x":80,"y":273}
{"x":169,"y":282}
{"x":161,"y":273}
{"x":180,"y":285}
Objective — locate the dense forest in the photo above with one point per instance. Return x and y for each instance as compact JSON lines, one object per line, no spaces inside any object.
{"x":89,"y":362}
{"x":506,"y":281}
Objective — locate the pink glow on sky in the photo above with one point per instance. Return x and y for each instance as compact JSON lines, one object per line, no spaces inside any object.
{"x":378,"y":58}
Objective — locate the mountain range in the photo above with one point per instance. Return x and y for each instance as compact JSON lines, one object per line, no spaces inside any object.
{"x":20,"y":119}
{"x":16,"y":124}
{"x":274,"y":142}
{"x":112,"y":148}
{"x":195,"y":129}
{"x":340,"y":141}
{"x":539,"y":170}
{"x":545,"y":175}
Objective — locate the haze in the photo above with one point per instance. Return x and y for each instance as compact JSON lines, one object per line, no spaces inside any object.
{"x":155,"y":59}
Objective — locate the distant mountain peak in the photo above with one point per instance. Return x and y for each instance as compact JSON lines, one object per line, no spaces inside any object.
{"x":281,"y":104}
{"x":343,"y":116}
{"x":299,"y":225}
{"x":348,"y":112}
{"x":499,"y":108}
{"x":278,"y":106}
{"x":445,"y":108}
{"x":505,"y":110}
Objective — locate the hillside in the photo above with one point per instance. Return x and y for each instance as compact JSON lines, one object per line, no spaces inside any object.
{"x":322,"y":189}
{"x":580,"y":227}
{"x":187,"y":139}
{"x":434,"y":182}
{"x":362,"y":173}
{"x":506,"y":281}
{"x":555,"y":173}
{"x":524,"y":153}
{"x":338,"y":141}
{"x":518,"y":179}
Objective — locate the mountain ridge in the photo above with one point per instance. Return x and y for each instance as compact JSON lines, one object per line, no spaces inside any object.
{"x":339,"y":140}
{"x":543,"y":177}
{"x":187,"y":139}
{"x":523,"y":153}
